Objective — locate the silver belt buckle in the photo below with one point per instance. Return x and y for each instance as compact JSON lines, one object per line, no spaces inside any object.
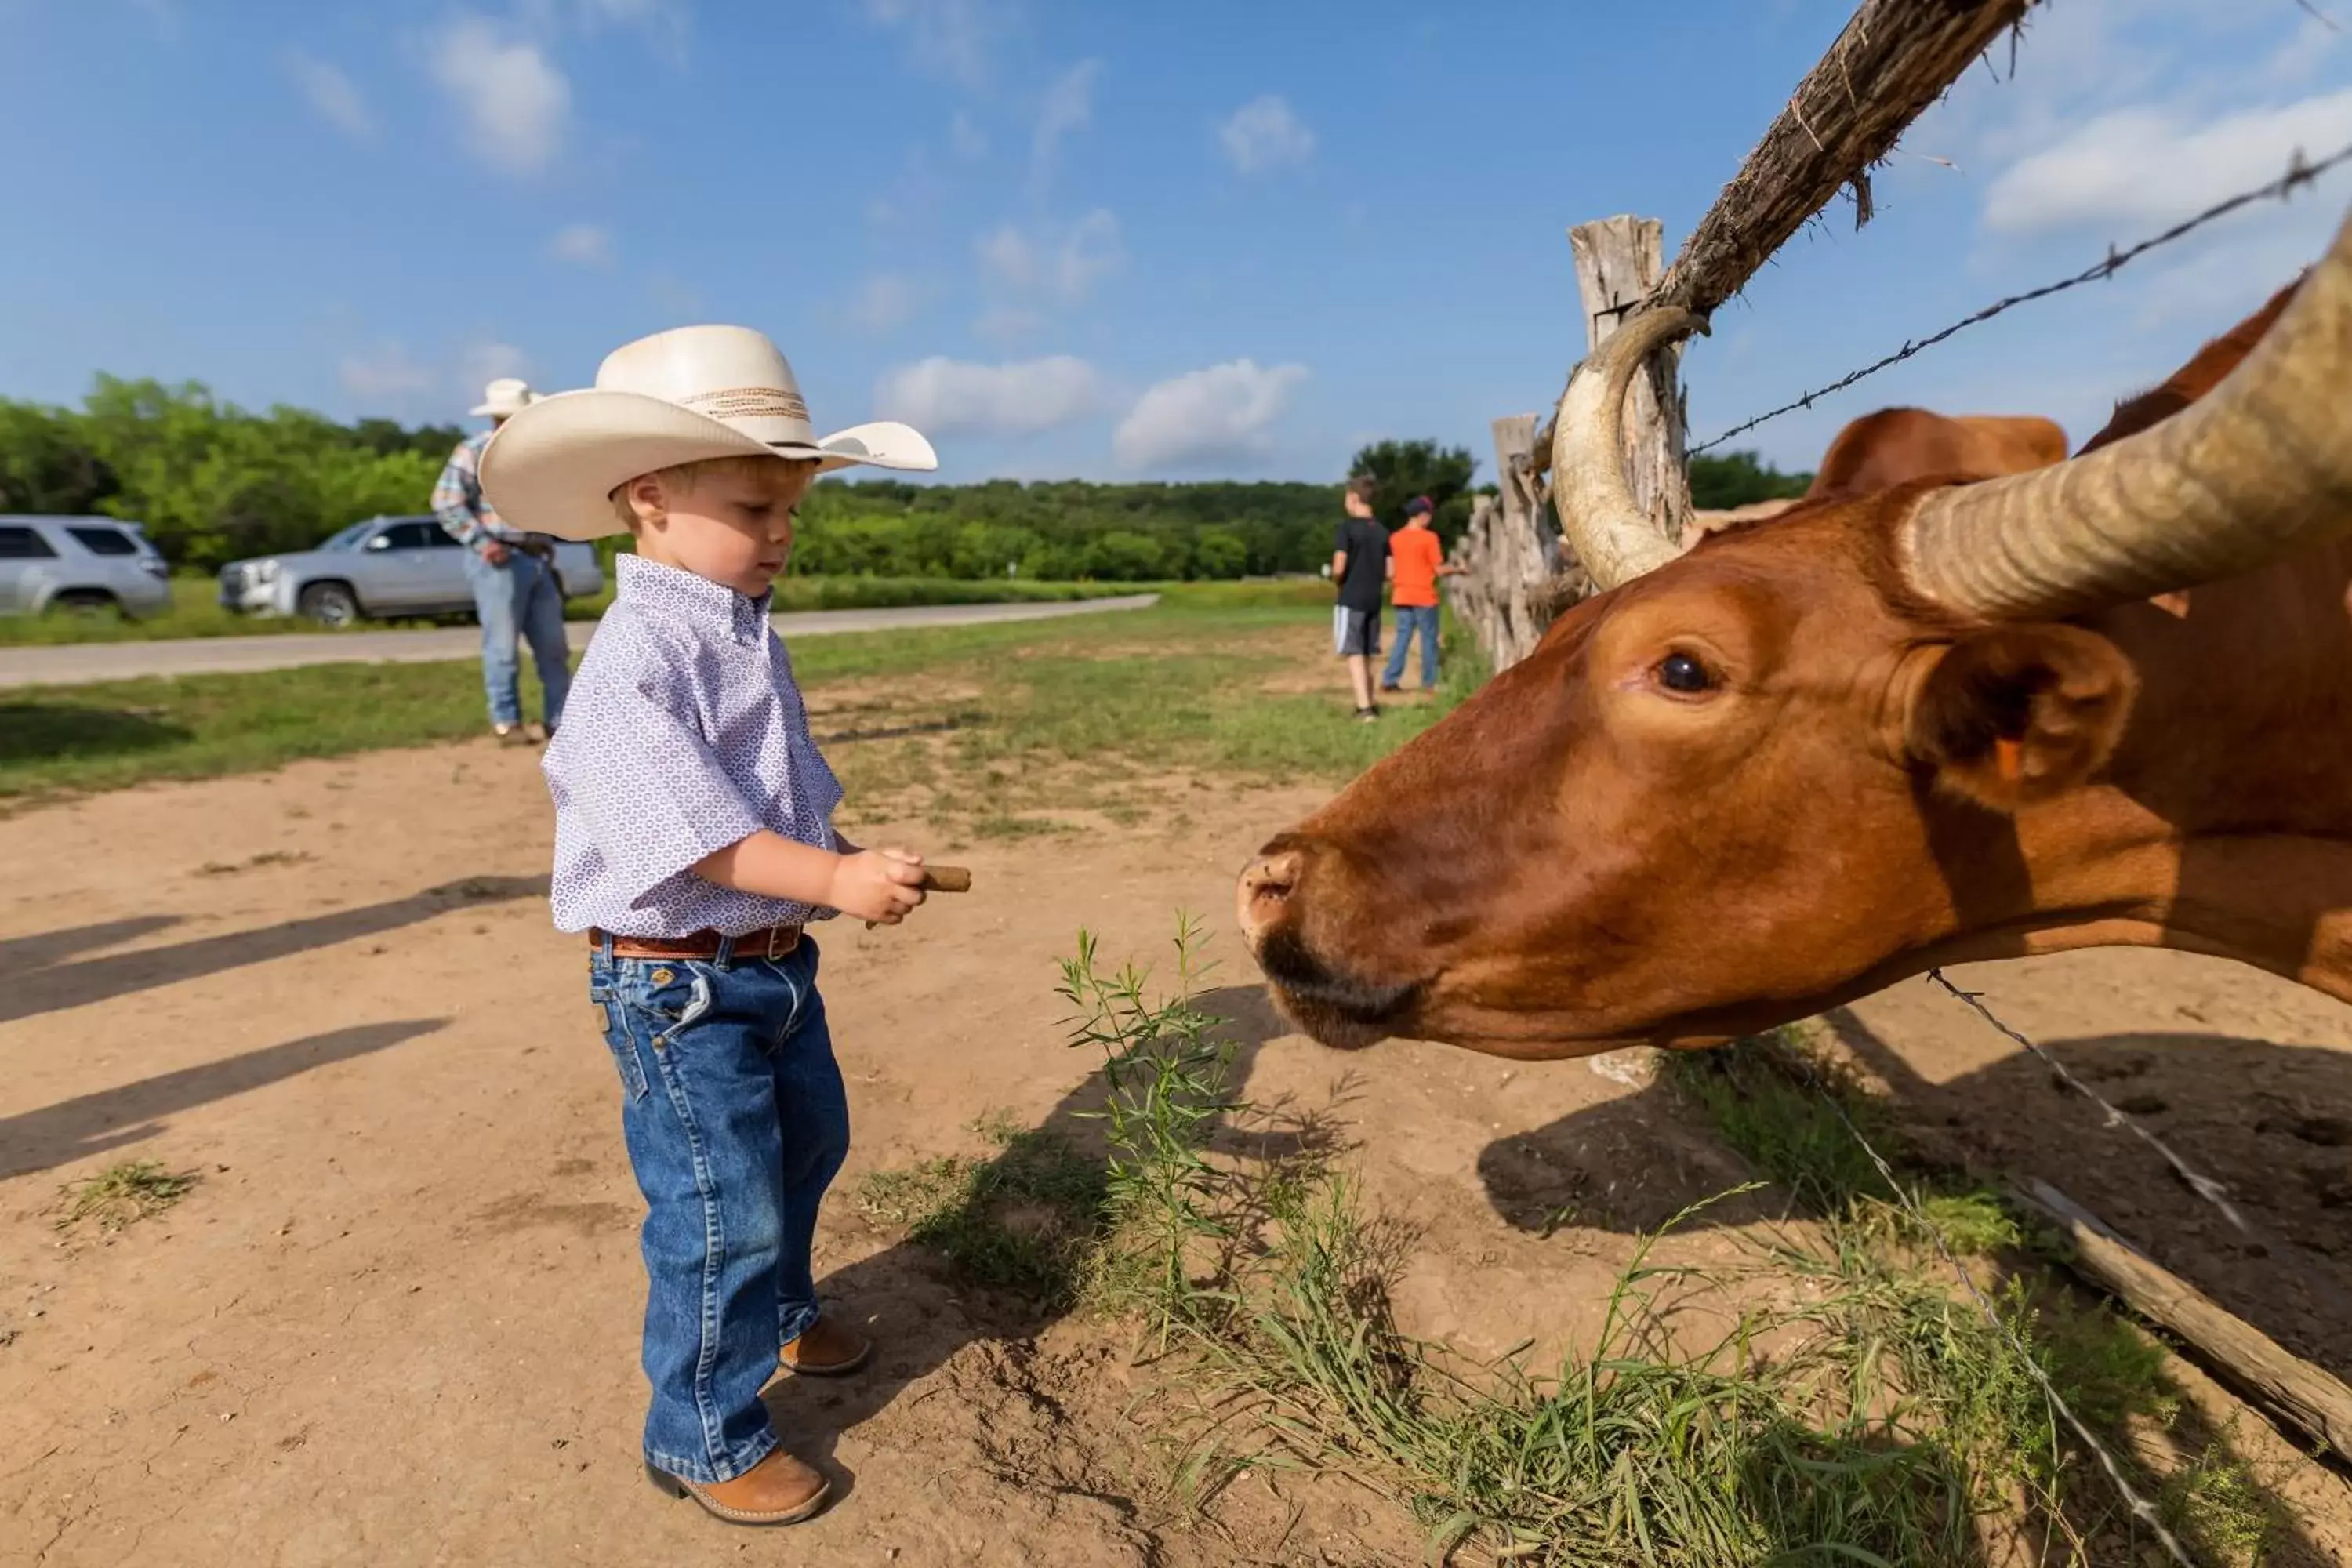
{"x":776,"y":933}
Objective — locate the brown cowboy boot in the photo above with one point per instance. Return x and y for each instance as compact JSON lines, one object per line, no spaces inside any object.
{"x":779,"y":1490}
{"x":827,"y":1348}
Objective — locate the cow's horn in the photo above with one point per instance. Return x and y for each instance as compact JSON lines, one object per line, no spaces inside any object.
{"x":2256,"y":470}
{"x":1612,"y":537}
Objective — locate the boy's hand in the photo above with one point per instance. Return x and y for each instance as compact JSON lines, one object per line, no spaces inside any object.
{"x":877,"y":886}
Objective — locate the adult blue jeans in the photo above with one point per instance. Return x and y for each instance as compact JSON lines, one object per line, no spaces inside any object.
{"x":518,"y":598}
{"x":1411,"y":618}
{"x":737,"y":1122}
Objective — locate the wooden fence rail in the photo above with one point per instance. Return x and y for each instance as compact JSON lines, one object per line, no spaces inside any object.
{"x":1891,"y":60}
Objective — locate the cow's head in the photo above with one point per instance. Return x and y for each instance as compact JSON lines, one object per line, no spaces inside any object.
{"x":1754,"y":779}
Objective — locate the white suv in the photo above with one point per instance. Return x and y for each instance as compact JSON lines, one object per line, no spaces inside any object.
{"x":80,"y":563}
{"x":382,"y":567}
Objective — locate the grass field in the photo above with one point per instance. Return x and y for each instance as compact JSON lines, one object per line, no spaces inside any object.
{"x":1017,"y":719}
{"x":196,"y":610}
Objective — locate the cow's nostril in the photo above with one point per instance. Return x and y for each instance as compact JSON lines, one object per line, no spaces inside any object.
{"x":1267,"y":885}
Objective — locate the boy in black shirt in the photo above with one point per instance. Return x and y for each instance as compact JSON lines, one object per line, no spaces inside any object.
{"x":1359,"y":566}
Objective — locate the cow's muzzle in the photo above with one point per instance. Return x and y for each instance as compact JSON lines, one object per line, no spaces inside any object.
{"x":1328,"y":998}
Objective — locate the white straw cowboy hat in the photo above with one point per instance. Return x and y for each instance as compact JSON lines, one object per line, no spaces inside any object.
{"x":676,"y":397}
{"x":505,"y":398}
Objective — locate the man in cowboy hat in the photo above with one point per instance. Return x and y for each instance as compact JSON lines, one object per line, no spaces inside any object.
{"x":513,"y":575}
{"x":694,"y":840}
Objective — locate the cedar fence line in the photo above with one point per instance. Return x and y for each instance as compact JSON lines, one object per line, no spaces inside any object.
{"x":1891,"y":61}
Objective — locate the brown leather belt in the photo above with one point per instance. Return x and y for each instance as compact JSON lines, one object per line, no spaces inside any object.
{"x":772,"y":944}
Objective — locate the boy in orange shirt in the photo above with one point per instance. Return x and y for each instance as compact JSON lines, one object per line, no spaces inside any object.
{"x":1418,"y":561}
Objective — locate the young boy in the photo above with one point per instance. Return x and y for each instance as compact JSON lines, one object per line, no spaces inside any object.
{"x":1359,"y":566}
{"x":693,"y":843}
{"x":1417,"y":560}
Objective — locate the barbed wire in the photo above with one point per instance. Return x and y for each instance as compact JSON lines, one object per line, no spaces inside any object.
{"x":2298,"y":173}
{"x":2206,"y":1187}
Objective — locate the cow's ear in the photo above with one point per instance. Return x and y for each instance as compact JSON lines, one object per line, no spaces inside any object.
{"x":2015,"y":714}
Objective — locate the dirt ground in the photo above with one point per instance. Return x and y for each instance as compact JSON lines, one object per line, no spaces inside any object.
{"x":394,"y":1322}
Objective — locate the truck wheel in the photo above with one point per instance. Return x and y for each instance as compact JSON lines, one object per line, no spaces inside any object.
{"x":330,"y":604}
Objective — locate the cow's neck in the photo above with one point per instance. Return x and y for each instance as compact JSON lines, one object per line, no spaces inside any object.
{"x":2226,"y":822}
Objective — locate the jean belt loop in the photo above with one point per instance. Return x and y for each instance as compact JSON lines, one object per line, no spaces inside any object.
{"x":725,"y":957}
{"x":604,"y":944}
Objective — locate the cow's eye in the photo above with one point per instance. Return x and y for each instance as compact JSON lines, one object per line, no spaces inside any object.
{"x":1681,"y":672}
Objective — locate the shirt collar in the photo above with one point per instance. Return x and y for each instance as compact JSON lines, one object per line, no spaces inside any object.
{"x":699,"y":601}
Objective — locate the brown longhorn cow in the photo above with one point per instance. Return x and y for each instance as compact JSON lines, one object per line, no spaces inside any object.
{"x":1895,"y":445}
{"x":2101,"y":703}
{"x":1881,"y":450}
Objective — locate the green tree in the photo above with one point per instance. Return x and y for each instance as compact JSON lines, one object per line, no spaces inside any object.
{"x":1220,"y":553}
{"x":46,"y":464}
{"x":1404,"y":469}
{"x":212,"y":481}
{"x":1739,"y":479}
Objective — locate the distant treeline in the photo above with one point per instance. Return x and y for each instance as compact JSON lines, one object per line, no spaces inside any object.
{"x":213,"y":483}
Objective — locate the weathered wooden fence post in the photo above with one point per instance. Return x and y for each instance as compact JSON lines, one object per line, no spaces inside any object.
{"x":1510,"y":553}
{"x":1619,"y":261}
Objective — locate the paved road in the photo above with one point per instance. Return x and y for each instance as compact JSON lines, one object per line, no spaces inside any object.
{"x":74,"y":664}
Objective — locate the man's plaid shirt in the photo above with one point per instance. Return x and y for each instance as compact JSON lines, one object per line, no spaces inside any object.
{"x":458,"y":501}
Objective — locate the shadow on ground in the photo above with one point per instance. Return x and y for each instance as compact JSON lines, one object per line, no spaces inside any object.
{"x":44,"y":978}
{"x":90,"y":1124}
{"x":933,"y":1316}
{"x":58,"y":731}
{"x":2273,"y":1123}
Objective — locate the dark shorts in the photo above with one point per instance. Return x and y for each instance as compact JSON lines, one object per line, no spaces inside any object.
{"x":1355,"y":632}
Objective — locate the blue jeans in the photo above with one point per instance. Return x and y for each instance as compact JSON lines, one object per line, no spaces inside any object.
{"x":1411,"y":618}
{"x":520,"y":598}
{"x":737,"y":1122}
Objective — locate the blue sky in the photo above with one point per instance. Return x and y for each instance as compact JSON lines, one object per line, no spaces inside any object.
{"x":1106,"y":240}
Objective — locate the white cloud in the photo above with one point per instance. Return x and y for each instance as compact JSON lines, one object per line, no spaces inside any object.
{"x":1007,"y":324}
{"x":1264,"y":134}
{"x":655,"y":15}
{"x":1068,"y":105}
{"x":484,"y":361}
{"x":330,"y":93}
{"x":966,"y":140}
{"x":666,"y":24}
{"x":514,"y":101}
{"x":2140,"y":167}
{"x":583,"y":245}
{"x":2302,"y":57}
{"x":385,"y":378}
{"x":1205,"y":416}
{"x":953,"y":38}
{"x":886,"y":300}
{"x":1061,"y":265}
{"x":952,"y":396}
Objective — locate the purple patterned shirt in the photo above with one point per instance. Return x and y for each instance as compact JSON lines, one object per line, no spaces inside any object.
{"x":684,"y":734}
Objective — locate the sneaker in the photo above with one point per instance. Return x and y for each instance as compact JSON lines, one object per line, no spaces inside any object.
{"x":1367,"y":715}
{"x":510,"y":734}
{"x":1386,"y":686}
